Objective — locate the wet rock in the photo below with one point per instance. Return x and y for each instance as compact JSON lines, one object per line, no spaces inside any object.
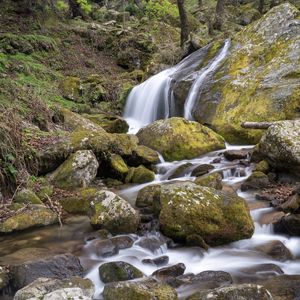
{"x":79,"y":170}
{"x":213,"y":180}
{"x":202,"y":169}
{"x":196,"y":240}
{"x":178,"y":139}
{"x":117,"y":167}
{"x":29,"y":264}
{"x":292,"y":204}
{"x":31,"y":216}
{"x":289,"y":224}
{"x":263,"y":166}
{"x":257,"y":180}
{"x":111,"y":212}
{"x":180,"y":171}
{"x":51,"y":288}
{"x":144,"y":289}
{"x":262,"y":271}
{"x":139,"y":175}
{"x":280,"y":146}
{"x":152,"y":243}
{"x":143,"y":155}
{"x":236,"y":154}
{"x":234,"y":292}
{"x":102,"y":234}
{"x":104,"y":248}
{"x":276,"y":250}
{"x":217,"y":217}
{"x":149,"y":197}
{"x":118,"y":271}
{"x":172,"y":271}
{"x":158,"y":261}
{"x":122,"y":242}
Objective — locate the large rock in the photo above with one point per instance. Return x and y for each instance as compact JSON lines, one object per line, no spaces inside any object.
{"x":234,"y":292}
{"x":140,"y":175}
{"x":111,"y":212}
{"x":49,"y":288}
{"x":27,"y":265}
{"x":280,"y":146}
{"x":178,"y":139}
{"x":216,"y":217}
{"x":79,"y":170}
{"x":147,"y":289}
{"x":258,"y":81}
{"x":32,"y":216}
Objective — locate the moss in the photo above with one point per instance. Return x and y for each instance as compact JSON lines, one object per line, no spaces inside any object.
{"x":140,"y":175}
{"x":27,"y":196}
{"x":263,"y":167}
{"x":118,"y":165}
{"x":213,"y":180}
{"x":71,"y":88}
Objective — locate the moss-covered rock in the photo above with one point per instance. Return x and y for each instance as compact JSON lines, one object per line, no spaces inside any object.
{"x":71,"y":89}
{"x":217,"y":217}
{"x":27,"y":196}
{"x":109,"y":123}
{"x":118,"y":271}
{"x":118,"y":166}
{"x":79,"y":170}
{"x":280,"y":146}
{"x":178,"y":139}
{"x":111,"y":212}
{"x":33,"y":216}
{"x":257,"y":180}
{"x":263,"y":166}
{"x":213,"y":180}
{"x":139,"y":175}
{"x":143,"y":155}
{"x":148,"y":289}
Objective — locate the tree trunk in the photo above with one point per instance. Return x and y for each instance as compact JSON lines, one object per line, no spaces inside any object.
{"x":220,"y":12}
{"x":183,"y":22}
{"x":257,"y":125}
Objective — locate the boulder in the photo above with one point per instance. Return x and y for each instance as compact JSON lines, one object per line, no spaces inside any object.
{"x":202,"y":169}
{"x":31,"y":216}
{"x":26,"y":196}
{"x":153,"y":243}
{"x":234,"y":292}
{"x":111,"y":212}
{"x":180,"y":171}
{"x":147,"y":289}
{"x":79,"y":170}
{"x":280,"y":146}
{"x":52,"y":288}
{"x":257,"y":180}
{"x":70,"y":88}
{"x":213,"y":180}
{"x":140,"y":175}
{"x":289,"y":224}
{"x":117,"y":167}
{"x":178,"y":139}
{"x":262,"y":166}
{"x":143,"y":155}
{"x":236,"y":154}
{"x":118,"y":271}
{"x":217,"y":217}
{"x":276,"y":250}
{"x":158,"y":261}
{"x":169,"y":272}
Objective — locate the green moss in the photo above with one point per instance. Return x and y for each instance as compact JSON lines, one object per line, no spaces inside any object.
{"x":140,"y":175}
{"x":213,"y":180}
{"x":263,"y":167}
{"x":27,"y":196}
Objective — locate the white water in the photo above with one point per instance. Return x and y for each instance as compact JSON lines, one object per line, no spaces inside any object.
{"x":195,"y":90}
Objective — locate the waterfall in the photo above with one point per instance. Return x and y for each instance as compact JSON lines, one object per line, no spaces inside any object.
{"x":195,"y":90}
{"x":154,"y":99}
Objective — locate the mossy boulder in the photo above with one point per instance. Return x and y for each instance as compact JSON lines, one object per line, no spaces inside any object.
{"x":117,"y":166}
{"x":79,"y":170}
{"x":27,"y":196}
{"x":257,"y":180}
{"x":118,"y":271}
{"x":139,"y":175}
{"x":110,"y":123}
{"x":147,"y":289}
{"x":143,"y":155}
{"x":71,"y":88}
{"x":213,"y":180}
{"x":262,"y":166}
{"x":218,"y":218}
{"x":280,"y":146}
{"x":32,"y":216}
{"x":178,"y":139}
{"x":111,"y":212}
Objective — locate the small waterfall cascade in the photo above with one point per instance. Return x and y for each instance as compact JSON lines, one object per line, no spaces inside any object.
{"x":152,"y":99}
{"x":195,"y":90}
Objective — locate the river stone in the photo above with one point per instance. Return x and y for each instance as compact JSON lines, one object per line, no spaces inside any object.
{"x":289,"y":224}
{"x":234,"y":292}
{"x":149,"y":197}
{"x":49,"y":288}
{"x":213,"y":180}
{"x":118,"y":271}
{"x":275,"y":249}
{"x":27,"y":196}
{"x":140,"y":175}
{"x":158,"y":261}
{"x":79,"y":170}
{"x":178,"y":139}
{"x":32,"y":216}
{"x":217,"y":217}
{"x":153,"y":243}
{"x":103,"y":248}
{"x":29,"y":264}
{"x":111,"y":212}
{"x":181,"y":171}
{"x":280,"y":146}
{"x":117,"y":167}
{"x":257,"y":180}
{"x":202,"y":169}
{"x":169,"y":272}
{"x":143,"y":155}
{"x":147,"y":289}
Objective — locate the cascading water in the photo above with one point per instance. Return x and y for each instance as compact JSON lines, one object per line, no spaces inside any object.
{"x":195,"y":90}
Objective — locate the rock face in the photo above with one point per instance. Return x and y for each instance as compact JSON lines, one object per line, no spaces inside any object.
{"x":280,"y":146}
{"x":77,"y":171}
{"x":51,"y":288}
{"x":178,"y":139}
{"x":33,"y":216}
{"x":216,"y":217}
{"x":147,"y":289}
{"x":259,"y":80}
{"x":111,"y":212}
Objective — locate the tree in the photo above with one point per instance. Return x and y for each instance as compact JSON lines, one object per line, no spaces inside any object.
{"x":220,"y":13}
{"x":185,"y":31}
